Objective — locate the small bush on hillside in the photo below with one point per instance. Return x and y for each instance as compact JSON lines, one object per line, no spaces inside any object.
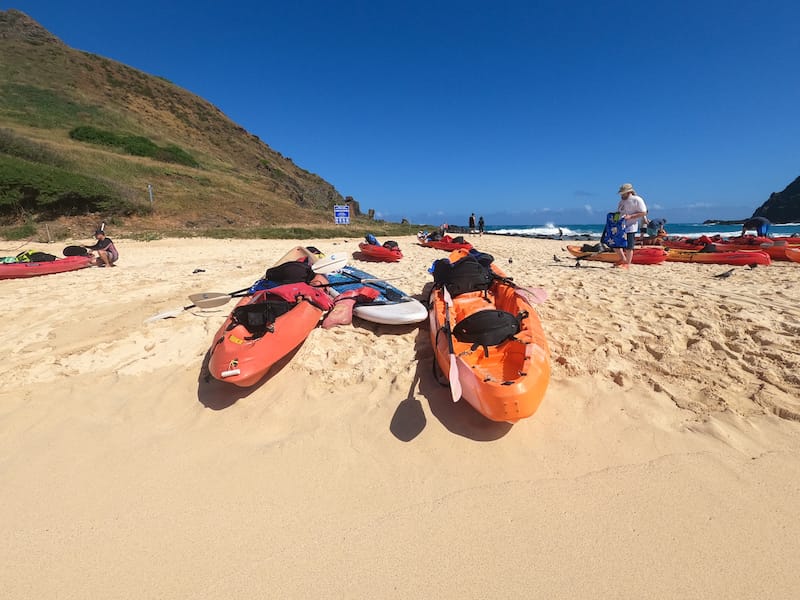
{"x":19,"y":232}
{"x":28,"y":188}
{"x":21,"y":147}
{"x":40,"y":107}
{"x":135,"y":145}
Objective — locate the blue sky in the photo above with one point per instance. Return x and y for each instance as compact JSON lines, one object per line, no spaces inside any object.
{"x":525,"y":112}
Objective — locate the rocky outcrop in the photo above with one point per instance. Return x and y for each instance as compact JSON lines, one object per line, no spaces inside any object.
{"x":782,"y":207}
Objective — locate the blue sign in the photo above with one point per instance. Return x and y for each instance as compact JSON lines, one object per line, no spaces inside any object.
{"x":341,"y":214}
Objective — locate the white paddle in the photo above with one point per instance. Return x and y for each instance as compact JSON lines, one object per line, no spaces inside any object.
{"x":202,"y":300}
{"x":455,"y":382}
{"x":213,"y":299}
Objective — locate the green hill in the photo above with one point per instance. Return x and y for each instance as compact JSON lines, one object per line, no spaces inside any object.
{"x":82,"y":136}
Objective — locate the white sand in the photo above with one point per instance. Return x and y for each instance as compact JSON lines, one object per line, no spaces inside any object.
{"x":663,"y":462}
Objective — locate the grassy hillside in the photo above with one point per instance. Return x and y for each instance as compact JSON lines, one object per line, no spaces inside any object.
{"x":82,"y":136}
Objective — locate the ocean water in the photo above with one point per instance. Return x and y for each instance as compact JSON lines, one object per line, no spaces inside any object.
{"x":594,"y":230}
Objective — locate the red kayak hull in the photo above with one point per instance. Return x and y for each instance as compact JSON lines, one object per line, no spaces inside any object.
{"x":380,"y":253}
{"x":447,"y":246}
{"x":34,"y":269}
{"x":238,"y":359}
{"x":647,"y":255}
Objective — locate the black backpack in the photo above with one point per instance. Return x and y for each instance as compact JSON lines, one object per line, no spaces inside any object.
{"x":488,"y":328}
{"x":290,"y":272}
{"x":258,"y":317}
{"x":40,"y":257}
{"x":390,"y":244}
{"x":466,"y":275}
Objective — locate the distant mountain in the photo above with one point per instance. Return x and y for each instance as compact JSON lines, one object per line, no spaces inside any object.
{"x":782,"y":207}
{"x":80,"y":134}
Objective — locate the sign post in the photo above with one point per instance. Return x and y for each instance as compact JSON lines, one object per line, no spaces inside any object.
{"x":341,"y":214}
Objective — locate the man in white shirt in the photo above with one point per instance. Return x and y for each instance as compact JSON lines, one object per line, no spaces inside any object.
{"x":631,"y":208}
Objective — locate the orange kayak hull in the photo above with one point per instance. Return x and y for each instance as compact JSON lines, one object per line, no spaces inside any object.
{"x":793,"y":254}
{"x":508,"y":384}
{"x":238,"y":359}
{"x":720,"y":257}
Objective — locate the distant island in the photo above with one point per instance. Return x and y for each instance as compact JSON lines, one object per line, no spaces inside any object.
{"x":721,"y":222}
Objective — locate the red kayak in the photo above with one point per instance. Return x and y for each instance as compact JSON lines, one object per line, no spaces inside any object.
{"x":380,"y":253}
{"x":647,"y":255}
{"x":33,"y":269}
{"x":447,"y":246}
{"x":262,"y":329}
{"x":776,"y":249}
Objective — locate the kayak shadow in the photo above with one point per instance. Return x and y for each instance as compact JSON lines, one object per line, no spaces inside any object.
{"x":459,"y":417}
{"x":216,"y":395}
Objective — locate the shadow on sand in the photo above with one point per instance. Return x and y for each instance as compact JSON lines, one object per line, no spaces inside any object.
{"x":459,"y":417}
{"x":217,"y":395}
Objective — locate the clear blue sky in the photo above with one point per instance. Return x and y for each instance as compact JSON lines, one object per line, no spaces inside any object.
{"x":525,"y":112}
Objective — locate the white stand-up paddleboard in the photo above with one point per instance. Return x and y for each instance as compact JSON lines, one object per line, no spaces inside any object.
{"x":391,"y":307}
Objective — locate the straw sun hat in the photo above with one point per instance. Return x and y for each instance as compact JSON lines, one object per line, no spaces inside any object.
{"x":626,"y":188}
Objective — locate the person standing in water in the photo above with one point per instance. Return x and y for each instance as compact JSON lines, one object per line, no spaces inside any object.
{"x":631,"y":208}
{"x":481,"y":225}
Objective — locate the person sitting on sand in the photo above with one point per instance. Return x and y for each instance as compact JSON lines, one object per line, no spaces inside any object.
{"x":107,"y":253}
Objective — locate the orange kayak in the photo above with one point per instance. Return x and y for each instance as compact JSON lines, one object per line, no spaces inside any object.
{"x":793,"y":254}
{"x":261,"y":329}
{"x":720,"y":257}
{"x":503,"y":382}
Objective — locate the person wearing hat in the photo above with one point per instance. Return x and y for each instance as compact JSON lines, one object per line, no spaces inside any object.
{"x":107,"y":253}
{"x":631,"y":208}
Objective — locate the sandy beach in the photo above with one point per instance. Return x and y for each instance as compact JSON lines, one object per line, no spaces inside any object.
{"x":664,"y":461}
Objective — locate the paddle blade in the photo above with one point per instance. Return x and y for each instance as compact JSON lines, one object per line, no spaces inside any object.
{"x":169,"y":314}
{"x":532,"y":295}
{"x":329,"y":264}
{"x":455,"y":382}
{"x":209,"y":299}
